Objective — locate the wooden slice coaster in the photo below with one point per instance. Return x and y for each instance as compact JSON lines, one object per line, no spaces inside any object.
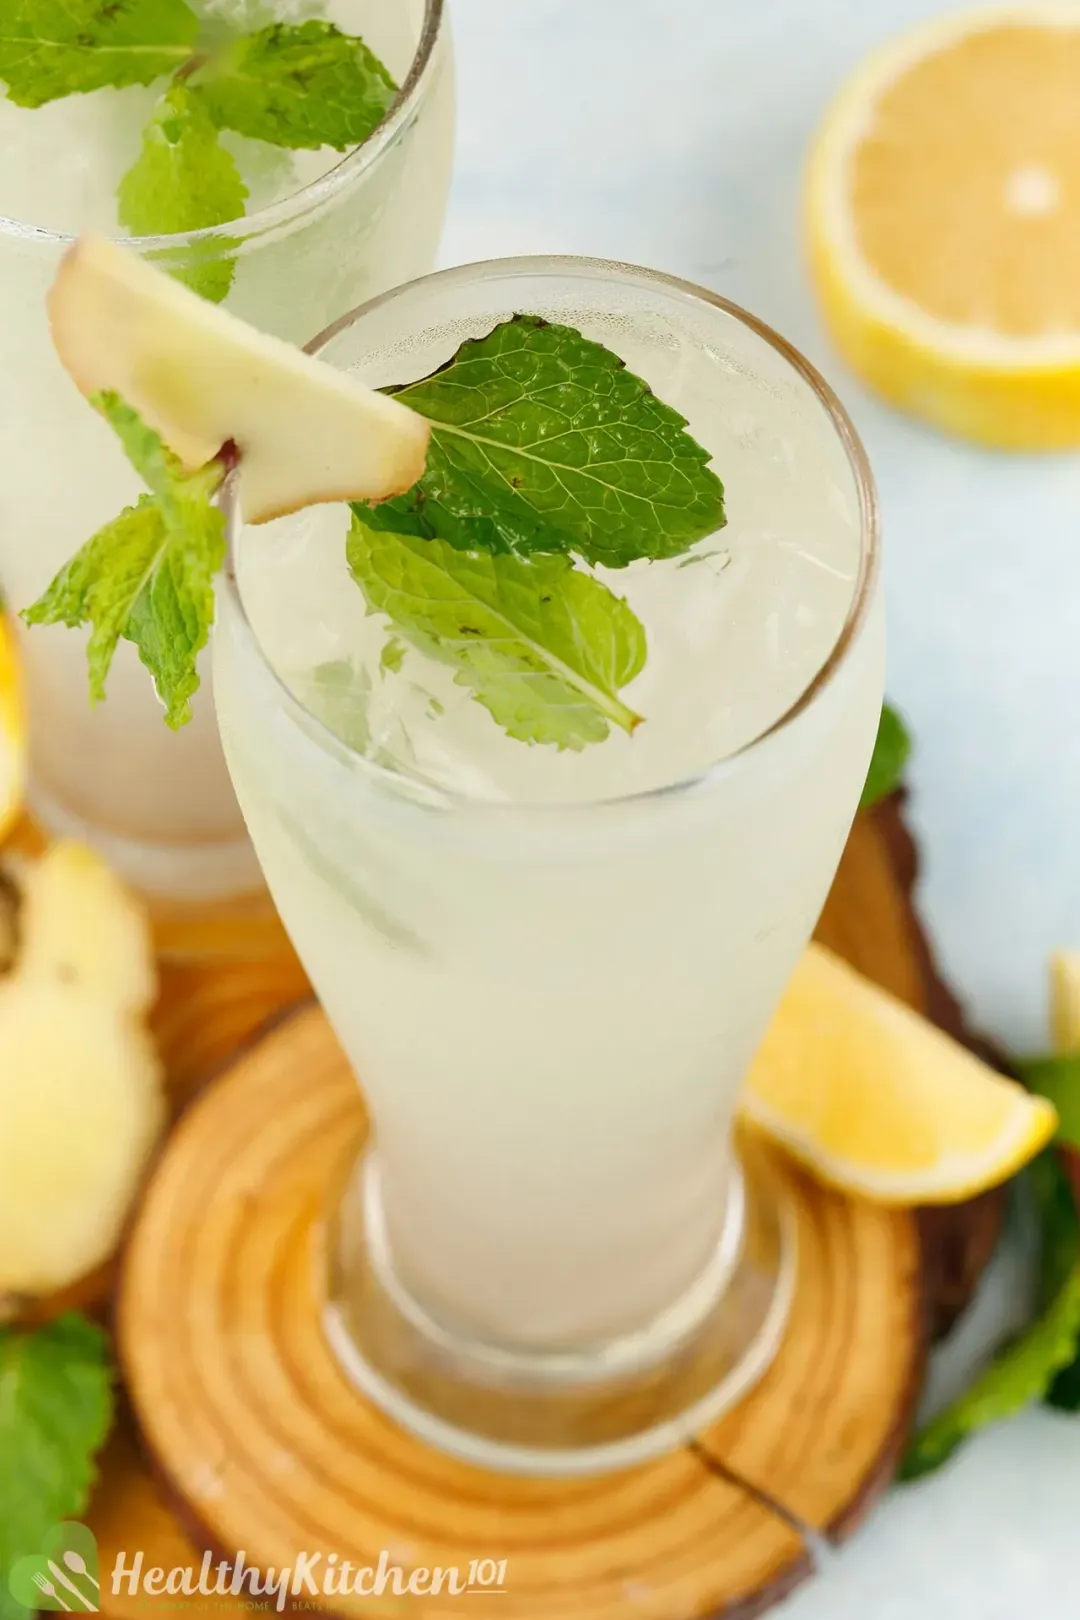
{"x":265,"y":1446}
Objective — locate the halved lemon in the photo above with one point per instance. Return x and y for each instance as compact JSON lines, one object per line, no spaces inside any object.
{"x":943,"y":219}
{"x":877,"y":1101}
{"x":12,"y":732}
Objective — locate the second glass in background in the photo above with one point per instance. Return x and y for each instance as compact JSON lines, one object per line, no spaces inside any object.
{"x":323,"y":231}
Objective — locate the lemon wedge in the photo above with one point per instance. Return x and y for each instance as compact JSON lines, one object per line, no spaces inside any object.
{"x":943,"y":221}
{"x":879,"y":1102}
{"x":12,"y":733}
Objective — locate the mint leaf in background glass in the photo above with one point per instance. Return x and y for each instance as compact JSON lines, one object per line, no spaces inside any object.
{"x":53,"y":48}
{"x":393,"y":656}
{"x":543,"y":647}
{"x":56,"y":1409}
{"x":543,"y":441}
{"x":298,"y":85}
{"x":148,"y":576}
{"x":184,"y":180}
{"x":892,"y":749}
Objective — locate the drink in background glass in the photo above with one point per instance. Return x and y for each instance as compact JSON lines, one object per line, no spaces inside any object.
{"x":323,"y":230}
{"x":550,"y":970}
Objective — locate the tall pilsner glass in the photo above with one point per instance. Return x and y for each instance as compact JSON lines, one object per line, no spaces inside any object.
{"x":550,"y":972}
{"x":322,"y":233}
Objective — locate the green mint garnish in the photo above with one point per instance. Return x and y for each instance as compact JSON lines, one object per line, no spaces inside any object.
{"x":54,"y":48}
{"x":148,"y":576}
{"x":293,"y":85}
{"x":305,"y":85}
{"x":1028,"y":1369}
{"x":542,"y":646}
{"x":1058,"y":1079}
{"x":56,"y":1409}
{"x":392,"y":657}
{"x":338,"y":693}
{"x":183,"y":180}
{"x":543,"y":441}
{"x":892,"y":749}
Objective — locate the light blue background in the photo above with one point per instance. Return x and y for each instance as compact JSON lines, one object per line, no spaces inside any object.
{"x":672,"y":133}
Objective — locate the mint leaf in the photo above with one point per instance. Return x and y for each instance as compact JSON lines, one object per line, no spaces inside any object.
{"x":338,"y":693}
{"x":1059,"y":1256}
{"x":544,"y":442}
{"x":184,"y":180}
{"x":149,"y":574}
{"x":543,"y":647}
{"x":392,"y":657}
{"x":1021,"y":1374}
{"x":56,"y":1409}
{"x":147,"y":451}
{"x":1059,"y":1224}
{"x":1030,"y":1368}
{"x":892,"y":749}
{"x":53,"y":48}
{"x":1057,"y":1079}
{"x":298,"y":85}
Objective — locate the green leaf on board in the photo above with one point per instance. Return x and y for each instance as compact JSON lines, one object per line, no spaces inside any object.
{"x":892,"y":749}
{"x":148,"y":575}
{"x":545,"y":648}
{"x":54,"y":48}
{"x":298,"y":85}
{"x":56,"y":1409}
{"x":543,"y":442}
{"x":1058,"y":1079}
{"x":1028,"y":1369}
{"x":184,"y":180}
{"x":1056,"y":1197}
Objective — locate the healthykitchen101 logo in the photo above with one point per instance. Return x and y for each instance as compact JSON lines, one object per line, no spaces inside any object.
{"x":62,"y":1576}
{"x":65,"y":1576}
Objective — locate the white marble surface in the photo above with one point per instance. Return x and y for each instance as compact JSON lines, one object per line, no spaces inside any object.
{"x":672,"y":132}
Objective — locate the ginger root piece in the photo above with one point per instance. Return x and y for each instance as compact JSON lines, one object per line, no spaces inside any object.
{"x":82,"y":1099}
{"x":81,"y":926}
{"x":202,"y":378}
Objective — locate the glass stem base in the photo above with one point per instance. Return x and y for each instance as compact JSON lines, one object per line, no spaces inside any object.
{"x":556,"y":1412}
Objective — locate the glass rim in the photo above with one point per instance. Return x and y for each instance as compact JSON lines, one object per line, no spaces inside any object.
{"x":435,"y":796}
{"x":349,"y":165}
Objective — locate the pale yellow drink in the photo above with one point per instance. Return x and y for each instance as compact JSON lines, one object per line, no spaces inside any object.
{"x":550,"y":970}
{"x":323,"y":231}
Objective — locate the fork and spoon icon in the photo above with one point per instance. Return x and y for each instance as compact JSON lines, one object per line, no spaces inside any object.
{"x":76,"y":1563}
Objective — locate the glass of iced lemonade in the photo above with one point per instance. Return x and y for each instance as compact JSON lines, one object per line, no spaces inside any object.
{"x":549,"y":741}
{"x":550,"y":965}
{"x":209,"y":134}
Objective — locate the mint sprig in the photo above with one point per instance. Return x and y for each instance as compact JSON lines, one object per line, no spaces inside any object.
{"x":55,"y":48}
{"x":56,"y":1409}
{"x":1027,"y":1369}
{"x":183,"y":180}
{"x":544,"y":647}
{"x":148,"y":576}
{"x":294,"y":85}
{"x":543,"y":441}
{"x":305,"y":85}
